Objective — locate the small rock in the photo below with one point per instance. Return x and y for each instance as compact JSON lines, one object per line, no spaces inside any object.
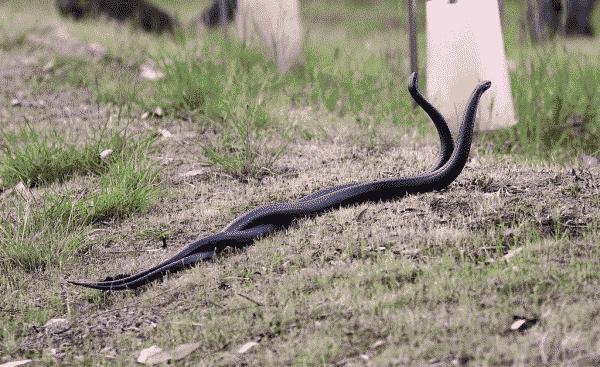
{"x":149,"y":72}
{"x":165,"y":133}
{"x":247,"y":347}
{"x":516,"y":325}
{"x":57,"y":326}
{"x":48,"y":67}
{"x":15,"y":102}
{"x":161,"y":357}
{"x":16,"y":363}
{"x":105,"y":154}
{"x":145,"y":115}
{"x":158,"y":112}
{"x":522,"y":323}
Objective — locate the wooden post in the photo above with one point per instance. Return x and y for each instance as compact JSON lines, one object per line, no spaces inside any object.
{"x":412,"y":36}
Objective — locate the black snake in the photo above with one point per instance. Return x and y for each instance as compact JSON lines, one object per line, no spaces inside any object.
{"x":266,"y":219}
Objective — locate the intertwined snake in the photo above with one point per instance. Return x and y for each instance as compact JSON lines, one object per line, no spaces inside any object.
{"x":266,"y":219}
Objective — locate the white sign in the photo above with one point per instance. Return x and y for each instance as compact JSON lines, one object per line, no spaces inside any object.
{"x":277,"y":23}
{"x":464,"y":47}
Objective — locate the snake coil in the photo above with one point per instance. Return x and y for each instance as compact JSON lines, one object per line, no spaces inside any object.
{"x":267,"y":219}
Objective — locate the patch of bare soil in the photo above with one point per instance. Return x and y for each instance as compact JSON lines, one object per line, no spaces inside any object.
{"x":25,"y":67}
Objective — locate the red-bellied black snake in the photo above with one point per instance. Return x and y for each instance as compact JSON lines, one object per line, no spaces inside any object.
{"x":264,"y":220}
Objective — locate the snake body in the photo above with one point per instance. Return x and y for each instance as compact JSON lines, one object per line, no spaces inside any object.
{"x":267,"y":219}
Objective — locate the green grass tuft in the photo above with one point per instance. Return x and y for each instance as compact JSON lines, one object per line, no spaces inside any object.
{"x":231,"y":88}
{"x":127,"y":188}
{"x":556,"y":98}
{"x":213,"y":81}
{"x":32,"y":240}
{"x":37,"y":158}
{"x":374,"y":87}
{"x":49,"y":230}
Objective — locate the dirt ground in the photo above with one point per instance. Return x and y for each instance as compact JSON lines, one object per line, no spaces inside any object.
{"x":435,"y":279}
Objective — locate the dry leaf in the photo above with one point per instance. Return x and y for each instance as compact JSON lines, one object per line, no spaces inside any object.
{"x":522,"y":323}
{"x":246,"y":347}
{"x":179,"y":352}
{"x":49,"y":66}
{"x":147,"y":353}
{"x":16,"y":363}
{"x":105,"y":154}
{"x":377,"y":344}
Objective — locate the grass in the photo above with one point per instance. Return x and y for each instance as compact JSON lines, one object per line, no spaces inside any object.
{"x":37,"y":234}
{"x":111,"y":82}
{"x":446,"y":308}
{"x":32,"y":241}
{"x":36,"y":158}
{"x":244,"y":149}
{"x":234,"y":98}
{"x":127,"y":188}
{"x":555,"y":98}
{"x":201,"y":82}
{"x":367,"y":88}
{"x":432,"y":279}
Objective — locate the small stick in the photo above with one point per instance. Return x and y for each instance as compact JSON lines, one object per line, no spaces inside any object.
{"x":250,"y":299}
{"x":412,"y":37}
{"x":133,"y":251}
